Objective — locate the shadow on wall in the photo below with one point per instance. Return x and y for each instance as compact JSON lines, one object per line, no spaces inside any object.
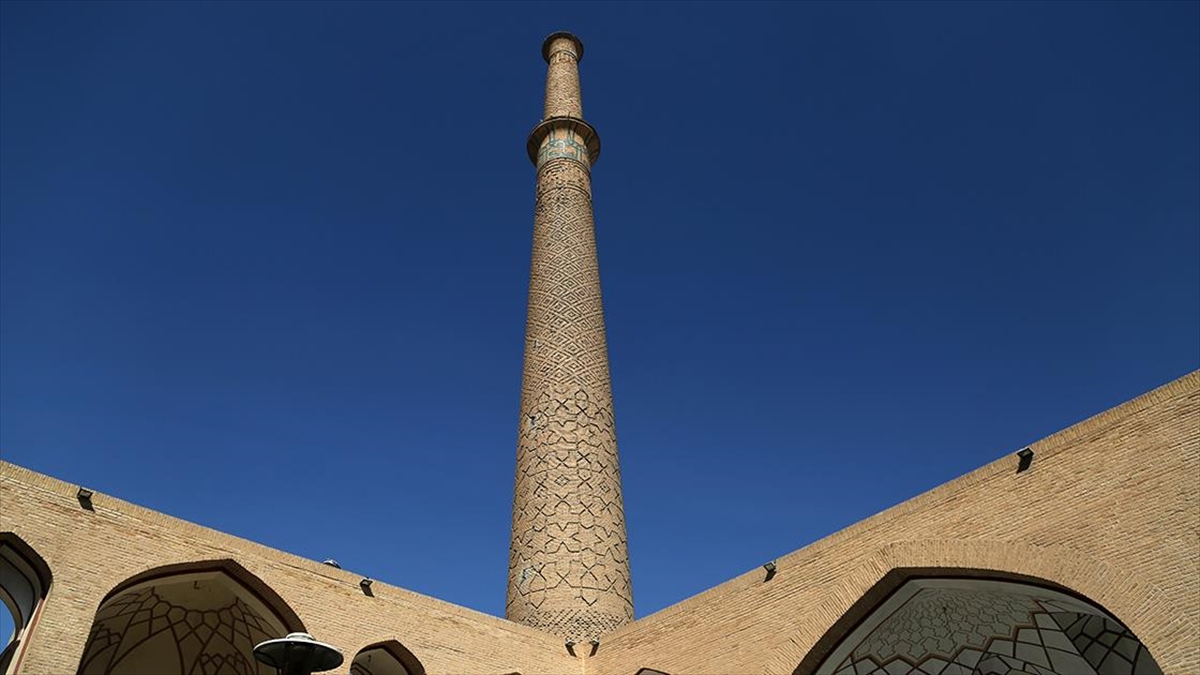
{"x":192,"y":617}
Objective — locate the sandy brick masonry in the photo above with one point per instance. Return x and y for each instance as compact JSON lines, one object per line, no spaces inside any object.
{"x":91,"y":552}
{"x":564,"y":96}
{"x":568,"y":568}
{"x":1109,"y":509}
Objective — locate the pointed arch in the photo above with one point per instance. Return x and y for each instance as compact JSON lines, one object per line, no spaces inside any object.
{"x":228,"y":566}
{"x":965,"y":621}
{"x":386,"y":657}
{"x":185,"y":617}
{"x":1136,"y":603}
{"x":25,"y":581}
{"x":31,"y":556}
{"x":887,"y":586}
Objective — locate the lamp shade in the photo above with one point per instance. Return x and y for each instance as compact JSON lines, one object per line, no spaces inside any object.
{"x":298,"y":654}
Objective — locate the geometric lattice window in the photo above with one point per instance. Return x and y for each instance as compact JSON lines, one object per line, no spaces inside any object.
{"x":203,"y":623}
{"x":981,"y":627}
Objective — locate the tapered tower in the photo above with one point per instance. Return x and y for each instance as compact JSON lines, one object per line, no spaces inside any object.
{"x":568,"y":567}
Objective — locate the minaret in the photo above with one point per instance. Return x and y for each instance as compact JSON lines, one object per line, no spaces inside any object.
{"x":568,"y":570}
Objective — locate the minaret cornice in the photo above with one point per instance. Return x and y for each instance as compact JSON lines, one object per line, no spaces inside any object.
{"x":548,"y":44}
{"x":575,"y":132}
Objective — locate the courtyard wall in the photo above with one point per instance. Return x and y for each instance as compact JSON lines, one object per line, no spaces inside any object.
{"x":1110,"y":509}
{"x":91,"y":552}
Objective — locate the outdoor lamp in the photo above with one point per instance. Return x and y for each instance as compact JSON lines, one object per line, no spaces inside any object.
{"x":298,"y":654}
{"x":1024,"y":459}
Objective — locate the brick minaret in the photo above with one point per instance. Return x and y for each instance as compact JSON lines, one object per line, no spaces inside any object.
{"x":568,"y":570}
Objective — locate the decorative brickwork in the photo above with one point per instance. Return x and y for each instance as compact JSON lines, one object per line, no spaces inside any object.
{"x":215,"y":640}
{"x":1104,"y":527}
{"x":96,"y":554}
{"x":967,"y":626}
{"x":568,"y":566}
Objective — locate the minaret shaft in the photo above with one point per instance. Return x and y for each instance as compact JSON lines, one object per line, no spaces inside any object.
{"x":564,"y":96}
{"x":568,"y":565}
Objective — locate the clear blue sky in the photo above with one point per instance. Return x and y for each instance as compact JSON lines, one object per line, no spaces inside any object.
{"x":264,"y":266}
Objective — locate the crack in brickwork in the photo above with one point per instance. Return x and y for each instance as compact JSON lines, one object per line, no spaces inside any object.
{"x":568,"y":565}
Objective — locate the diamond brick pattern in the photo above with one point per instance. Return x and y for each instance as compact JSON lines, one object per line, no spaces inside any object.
{"x":568,"y":565}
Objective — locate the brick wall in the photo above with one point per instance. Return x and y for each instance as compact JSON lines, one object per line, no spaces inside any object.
{"x":1109,"y":509}
{"x":89,"y":553}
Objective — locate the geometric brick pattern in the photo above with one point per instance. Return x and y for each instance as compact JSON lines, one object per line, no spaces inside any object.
{"x":1111,"y":506}
{"x":1005,"y":630}
{"x":216,"y":640}
{"x":1109,"y":510}
{"x":1107,"y":645}
{"x":568,"y":566}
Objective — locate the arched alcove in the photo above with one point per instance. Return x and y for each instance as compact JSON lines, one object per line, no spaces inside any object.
{"x":979,"y":626}
{"x":186,"y":619}
{"x":386,"y":658}
{"x":24,"y":582}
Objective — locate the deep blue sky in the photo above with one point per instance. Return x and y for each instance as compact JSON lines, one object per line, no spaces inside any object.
{"x":264,"y":266}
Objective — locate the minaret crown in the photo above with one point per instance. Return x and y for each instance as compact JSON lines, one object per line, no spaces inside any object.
{"x":562,"y":40}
